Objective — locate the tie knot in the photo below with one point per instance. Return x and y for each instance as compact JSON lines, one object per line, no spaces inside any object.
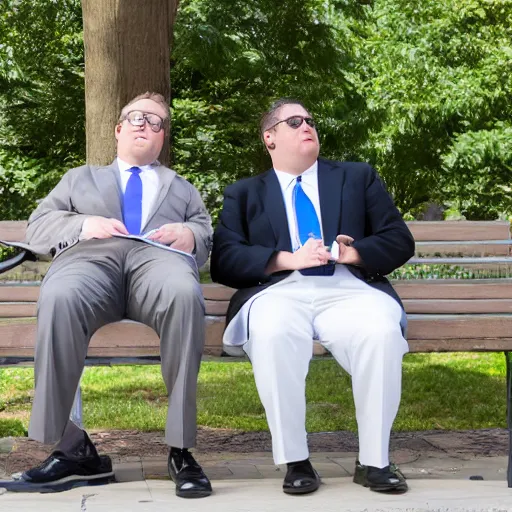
{"x":134,"y":170}
{"x":299,"y":179}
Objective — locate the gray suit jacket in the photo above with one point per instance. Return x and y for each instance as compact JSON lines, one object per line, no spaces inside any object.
{"x":55,"y":225}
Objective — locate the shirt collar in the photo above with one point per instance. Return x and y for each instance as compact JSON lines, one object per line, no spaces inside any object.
{"x":286,"y":179}
{"x":124,"y":166}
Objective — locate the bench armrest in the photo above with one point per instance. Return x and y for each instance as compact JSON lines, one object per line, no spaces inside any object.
{"x":14,"y":261}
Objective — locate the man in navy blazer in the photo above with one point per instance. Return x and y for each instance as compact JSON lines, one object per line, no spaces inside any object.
{"x":308,"y":244}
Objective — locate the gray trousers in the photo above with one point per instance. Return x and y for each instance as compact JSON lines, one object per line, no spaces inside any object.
{"x":101,"y":281}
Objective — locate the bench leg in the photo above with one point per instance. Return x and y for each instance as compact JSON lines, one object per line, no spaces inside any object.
{"x":508,"y":357}
{"x":76,"y":410}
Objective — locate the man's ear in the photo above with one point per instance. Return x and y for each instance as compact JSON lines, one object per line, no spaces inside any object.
{"x":117,"y":130}
{"x":268,"y":137}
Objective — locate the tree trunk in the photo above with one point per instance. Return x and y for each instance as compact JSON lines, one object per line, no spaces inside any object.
{"x":127,"y":52}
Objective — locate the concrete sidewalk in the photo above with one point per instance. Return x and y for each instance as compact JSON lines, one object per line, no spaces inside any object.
{"x":335,"y":495}
{"x":251,"y":482}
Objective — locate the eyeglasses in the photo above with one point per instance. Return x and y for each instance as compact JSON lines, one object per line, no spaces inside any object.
{"x":295,"y":122}
{"x":138,"y":118}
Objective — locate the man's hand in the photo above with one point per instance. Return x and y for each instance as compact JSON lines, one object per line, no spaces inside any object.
{"x":348,"y":255}
{"x":312,"y":254}
{"x":176,"y":235}
{"x":101,"y":227}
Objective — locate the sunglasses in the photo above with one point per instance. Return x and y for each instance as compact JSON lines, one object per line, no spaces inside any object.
{"x":138,"y":118}
{"x":295,"y":122}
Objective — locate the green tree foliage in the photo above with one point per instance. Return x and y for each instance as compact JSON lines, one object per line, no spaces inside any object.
{"x":231,"y":59}
{"x":431,"y":72}
{"x":41,"y":99}
{"x":477,"y":172}
{"x":420,"y":90}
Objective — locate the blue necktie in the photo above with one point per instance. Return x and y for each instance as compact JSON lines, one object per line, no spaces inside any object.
{"x":132,"y":202}
{"x":308,"y":225}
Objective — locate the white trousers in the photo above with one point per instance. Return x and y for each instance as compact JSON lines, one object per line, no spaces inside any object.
{"x":360,"y":326}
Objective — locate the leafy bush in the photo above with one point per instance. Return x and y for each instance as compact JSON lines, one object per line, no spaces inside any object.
{"x":477,"y":172}
{"x":23,"y":181}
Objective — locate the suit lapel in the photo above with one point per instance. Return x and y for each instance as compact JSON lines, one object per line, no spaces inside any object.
{"x":276,"y":212}
{"x":108,"y":183}
{"x":165,"y":177}
{"x":330,"y":191}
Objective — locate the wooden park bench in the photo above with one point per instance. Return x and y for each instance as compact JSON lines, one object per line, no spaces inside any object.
{"x":444,"y":315}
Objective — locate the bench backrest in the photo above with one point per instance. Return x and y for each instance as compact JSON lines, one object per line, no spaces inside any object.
{"x":444,"y":314}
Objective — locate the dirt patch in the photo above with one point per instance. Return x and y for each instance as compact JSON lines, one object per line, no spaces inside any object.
{"x":124,"y":445}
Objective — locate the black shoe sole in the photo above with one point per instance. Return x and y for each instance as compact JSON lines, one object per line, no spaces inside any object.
{"x":63,"y":484}
{"x":24,"y":486}
{"x":301,"y":490}
{"x":400,"y":488}
{"x":304,"y":490}
{"x":193,"y":494}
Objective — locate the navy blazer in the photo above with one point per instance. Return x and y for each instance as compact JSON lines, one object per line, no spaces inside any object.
{"x":353,"y":201}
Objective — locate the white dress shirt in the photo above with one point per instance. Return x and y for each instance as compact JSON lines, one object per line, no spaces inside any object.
{"x":150,"y":182}
{"x":310,"y":187}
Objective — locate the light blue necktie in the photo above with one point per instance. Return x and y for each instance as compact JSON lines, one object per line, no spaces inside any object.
{"x":132,"y":202}
{"x":308,"y":225}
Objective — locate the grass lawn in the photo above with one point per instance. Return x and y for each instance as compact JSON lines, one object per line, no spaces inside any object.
{"x":440,"y":391}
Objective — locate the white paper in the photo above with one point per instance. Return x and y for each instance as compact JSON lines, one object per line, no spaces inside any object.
{"x":335,"y":251}
{"x":143,"y":238}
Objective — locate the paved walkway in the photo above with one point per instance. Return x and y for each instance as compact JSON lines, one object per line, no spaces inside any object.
{"x":251,"y":482}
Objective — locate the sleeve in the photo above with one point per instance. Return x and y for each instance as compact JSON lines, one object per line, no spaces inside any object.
{"x":235,"y":262}
{"x":55,"y":224}
{"x":199,"y":222}
{"x":388,"y":243}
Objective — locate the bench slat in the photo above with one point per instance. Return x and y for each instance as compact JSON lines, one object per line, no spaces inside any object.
{"x":126,"y":338}
{"x":454,"y":289}
{"x":429,"y":306}
{"x":459,"y":230}
{"x":28,"y":309}
{"x":461,"y":345}
{"x":458,"y":326}
{"x":456,"y":306}
{"x":407,"y":289}
{"x":12,"y":230}
{"x":30,"y":293}
{"x":443,"y":296}
{"x":120,"y":339}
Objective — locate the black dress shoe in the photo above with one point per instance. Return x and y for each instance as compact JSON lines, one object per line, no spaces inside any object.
{"x":186,"y":473}
{"x":57,"y":474}
{"x":389,"y":479}
{"x":75,"y":462}
{"x":301,"y":478}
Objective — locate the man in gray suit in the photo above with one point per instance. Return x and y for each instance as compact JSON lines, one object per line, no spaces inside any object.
{"x":98,"y":277}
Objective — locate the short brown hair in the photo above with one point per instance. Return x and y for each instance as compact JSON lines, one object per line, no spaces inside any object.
{"x":269,"y":118}
{"x":153,"y":96}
